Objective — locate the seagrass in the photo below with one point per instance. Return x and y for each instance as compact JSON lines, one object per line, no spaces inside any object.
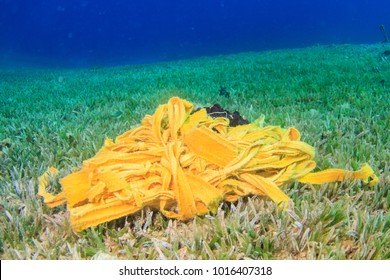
{"x":186,"y":163}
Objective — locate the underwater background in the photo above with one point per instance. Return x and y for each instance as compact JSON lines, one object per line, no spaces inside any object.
{"x":84,"y":33}
{"x":74,"y":73}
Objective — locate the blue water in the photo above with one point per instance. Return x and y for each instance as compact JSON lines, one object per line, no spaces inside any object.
{"x":84,"y":33}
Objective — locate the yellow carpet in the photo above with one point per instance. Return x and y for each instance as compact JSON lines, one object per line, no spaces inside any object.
{"x":184,"y":164}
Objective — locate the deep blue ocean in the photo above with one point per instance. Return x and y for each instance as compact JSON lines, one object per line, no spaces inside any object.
{"x":85,"y":33}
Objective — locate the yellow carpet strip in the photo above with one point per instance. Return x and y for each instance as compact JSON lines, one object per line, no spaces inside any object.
{"x":184,"y":164}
